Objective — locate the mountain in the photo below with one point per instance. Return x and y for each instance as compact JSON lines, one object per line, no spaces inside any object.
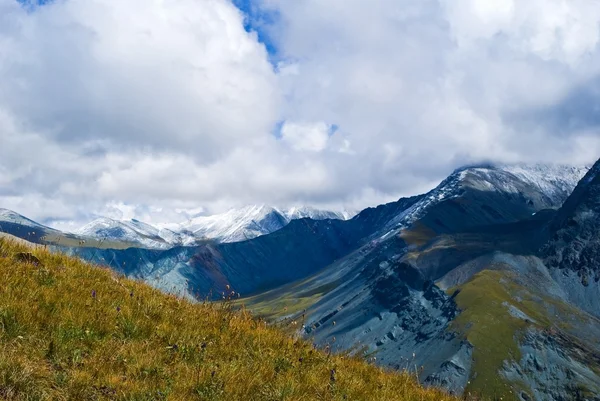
{"x":307,"y":212}
{"x":232,"y":226}
{"x":237,"y":224}
{"x":22,"y":227}
{"x":133,"y":232}
{"x":297,"y":250}
{"x":480,"y":195}
{"x":450,"y":284}
{"x":251,"y":222}
{"x":451,"y":288}
{"x":573,"y":248}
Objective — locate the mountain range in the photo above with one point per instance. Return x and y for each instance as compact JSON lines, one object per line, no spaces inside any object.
{"x":232,"y":226}
{"x":488,"y":284}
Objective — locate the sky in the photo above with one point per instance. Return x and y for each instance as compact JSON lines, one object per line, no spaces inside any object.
{"x":162,"y":109}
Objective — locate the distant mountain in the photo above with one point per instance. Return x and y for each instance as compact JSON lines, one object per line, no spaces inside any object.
{"x":22,"y":227}
{"x":133,"y":232}
{"x":232,"y":226}
{"x":304,"y":212}
{"x":250,"y":222}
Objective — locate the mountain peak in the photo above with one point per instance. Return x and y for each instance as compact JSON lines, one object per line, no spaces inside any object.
{"x":536,"y":186}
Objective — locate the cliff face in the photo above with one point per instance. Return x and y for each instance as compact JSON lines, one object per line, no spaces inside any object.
{"x":573,"y":249}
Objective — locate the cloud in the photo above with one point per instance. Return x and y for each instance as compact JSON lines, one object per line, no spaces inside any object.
{"x":306,"y":136}
{"x":183,"y":75}
{"x":158,"y":109}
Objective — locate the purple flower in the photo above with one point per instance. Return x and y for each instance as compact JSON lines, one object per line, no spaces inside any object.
{"x":118,"y":309}
{"x":94,"y":294}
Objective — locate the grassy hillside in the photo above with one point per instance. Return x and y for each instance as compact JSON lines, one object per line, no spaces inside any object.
{"x":71,"y":331}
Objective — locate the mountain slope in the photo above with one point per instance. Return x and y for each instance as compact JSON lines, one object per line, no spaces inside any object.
{"x":573,"y":248}
{"x":485,"y":195}
{"x":22,"y":227}
{"x":382,"y":296}
{"x":70,"y":330}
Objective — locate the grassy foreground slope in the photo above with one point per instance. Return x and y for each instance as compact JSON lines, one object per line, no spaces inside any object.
{"x":71,"y":331}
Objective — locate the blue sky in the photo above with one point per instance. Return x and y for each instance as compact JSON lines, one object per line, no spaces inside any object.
{"x":259,"y":20}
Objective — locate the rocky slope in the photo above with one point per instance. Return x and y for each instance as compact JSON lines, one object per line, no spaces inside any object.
{"x":573,"y":250}
{"x":381,"y":299}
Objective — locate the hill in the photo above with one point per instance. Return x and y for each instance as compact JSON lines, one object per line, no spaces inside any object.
{"x":69,"y":330}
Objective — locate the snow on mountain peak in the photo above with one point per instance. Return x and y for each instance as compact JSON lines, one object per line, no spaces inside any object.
{"x":232,"y":226}
{"x":552,"y":185}
{"x":13,"y":217}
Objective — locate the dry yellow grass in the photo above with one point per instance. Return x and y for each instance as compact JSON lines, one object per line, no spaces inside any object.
{"x":71,"y":331}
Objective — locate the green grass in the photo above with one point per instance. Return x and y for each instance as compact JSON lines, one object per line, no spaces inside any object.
{"x":493,"y":331}
{"x":72,"y":331}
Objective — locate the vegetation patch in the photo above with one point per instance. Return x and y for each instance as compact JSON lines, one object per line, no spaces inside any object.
{"x":488,"y":324}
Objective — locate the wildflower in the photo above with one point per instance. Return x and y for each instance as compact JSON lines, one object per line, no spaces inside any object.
{"x":118,"y":309}
{"x":332,"y":376}
{"x":131,"y":294}
{"x":94,"y":294}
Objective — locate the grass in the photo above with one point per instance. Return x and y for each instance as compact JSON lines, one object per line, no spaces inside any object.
{"x":495,"y":333}
{"x":72,"y":331}
{"x":491,"y":329}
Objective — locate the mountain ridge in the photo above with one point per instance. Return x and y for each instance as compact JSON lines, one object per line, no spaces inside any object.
{"x":232,"y":226}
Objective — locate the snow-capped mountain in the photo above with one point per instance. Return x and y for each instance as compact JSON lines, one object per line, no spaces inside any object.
{"x":251,"y":222}
{"x":295,"y":213}
{"x":131,"y":231}
{"x":539,"y":186}
{"x":9,"y":216}
{"x":232,"y":226}
{"x":20,"y":226}
{"x":237,"y":224}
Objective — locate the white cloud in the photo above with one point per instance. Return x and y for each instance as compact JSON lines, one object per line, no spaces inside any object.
{"x":159,"y":109}
{"x":306,"y":136}
{"x":178,"y":75}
